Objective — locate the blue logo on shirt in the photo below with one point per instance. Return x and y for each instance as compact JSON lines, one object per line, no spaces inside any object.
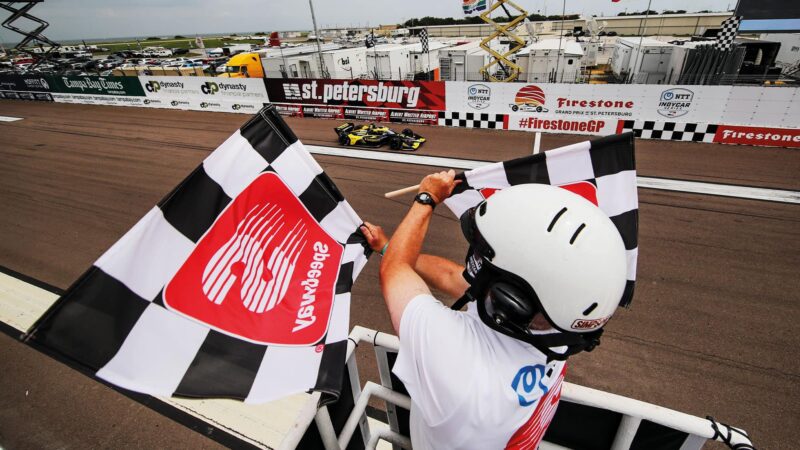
{"x":529,"y":384}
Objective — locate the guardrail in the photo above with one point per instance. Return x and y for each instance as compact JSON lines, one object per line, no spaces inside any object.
{"x":633,"y":412}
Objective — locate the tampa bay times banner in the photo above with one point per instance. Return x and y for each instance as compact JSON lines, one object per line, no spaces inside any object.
{"x":603,"y":171}
{"x":236,"y":285}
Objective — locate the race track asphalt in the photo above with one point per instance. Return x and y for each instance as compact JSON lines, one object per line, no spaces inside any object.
{"x":712,"y":329}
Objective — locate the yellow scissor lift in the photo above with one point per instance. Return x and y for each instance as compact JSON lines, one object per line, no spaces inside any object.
{"x":510,"y":69}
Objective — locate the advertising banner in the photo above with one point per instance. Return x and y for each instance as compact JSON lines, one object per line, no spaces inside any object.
{"x":591,"y":126}
{"x":705,"y":104}
{"x":25,"y":87}
{"x":426,"y":95}
{"x":92,"y":99}
{"x":359,"y":114}
{"x":245,"y":95}
{"x":770,"y":137}
{"x":94,"y":85}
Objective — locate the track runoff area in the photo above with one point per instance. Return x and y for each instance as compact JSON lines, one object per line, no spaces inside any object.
{"x":717,"y":232}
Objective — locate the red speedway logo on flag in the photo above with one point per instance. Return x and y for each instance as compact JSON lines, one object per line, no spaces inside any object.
{"x":428,"y":95}
{"x":265,"y":271}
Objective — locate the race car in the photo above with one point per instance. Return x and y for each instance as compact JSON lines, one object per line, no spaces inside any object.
{"x":372,"y":135}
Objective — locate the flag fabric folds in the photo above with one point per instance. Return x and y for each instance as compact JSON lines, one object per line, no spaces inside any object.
{"x":423,"y":39}
{"x":727,"y":33}
{"x":602,"y":170}
{"x":236,"y":285}
{"x":471,"y":7}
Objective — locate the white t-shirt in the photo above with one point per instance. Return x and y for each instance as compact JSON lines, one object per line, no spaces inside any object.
{"x":472,"y":387}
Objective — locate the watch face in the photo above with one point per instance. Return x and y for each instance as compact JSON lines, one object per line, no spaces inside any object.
{"x":424,"y":197}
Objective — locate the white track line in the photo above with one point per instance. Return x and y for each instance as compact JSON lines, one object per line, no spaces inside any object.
{"x":694,"y":187}
{"x":9,"y":119}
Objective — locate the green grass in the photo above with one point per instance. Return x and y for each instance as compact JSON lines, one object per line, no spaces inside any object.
{"x":167,"y":43}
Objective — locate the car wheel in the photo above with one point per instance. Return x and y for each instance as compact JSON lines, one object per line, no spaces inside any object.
{"x":344,"y":139}
{"x":538,"y":109}
{"x":515,"y":108}
{"x":394,"y":144}
{"x":407,"y":132}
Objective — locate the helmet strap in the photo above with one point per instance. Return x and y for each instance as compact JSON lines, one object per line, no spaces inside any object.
{"x":545,"y":343}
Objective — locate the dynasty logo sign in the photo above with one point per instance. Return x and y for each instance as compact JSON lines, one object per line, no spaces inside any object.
{"x":265,"y":272}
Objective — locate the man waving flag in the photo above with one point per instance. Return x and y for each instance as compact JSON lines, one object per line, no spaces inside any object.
{"x":603,"y":171}
{"x":236,"y":285}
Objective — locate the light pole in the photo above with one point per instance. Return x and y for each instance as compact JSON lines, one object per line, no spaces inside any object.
{"x":641,"y":35}
{"x":316,"y":35}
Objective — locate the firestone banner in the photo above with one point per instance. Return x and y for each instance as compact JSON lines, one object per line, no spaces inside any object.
{"x":423,"y":95}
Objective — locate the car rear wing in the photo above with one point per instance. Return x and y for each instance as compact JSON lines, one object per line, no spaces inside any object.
{"x":344,"y":128}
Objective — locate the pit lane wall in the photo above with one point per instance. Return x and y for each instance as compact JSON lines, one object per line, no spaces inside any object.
{"x":766,"y":116}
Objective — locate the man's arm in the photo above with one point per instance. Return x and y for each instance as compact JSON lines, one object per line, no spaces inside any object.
{"x":442,"y":274}
{"x":437,"y":272}
{"x":400,"y":283}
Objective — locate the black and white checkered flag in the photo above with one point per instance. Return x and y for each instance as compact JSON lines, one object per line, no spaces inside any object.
{"x":370,"y":41}
{"x":727,"y":33}
{"x":423,"y":39}
{"x":603,"y":171}
{"x":236,"y":285}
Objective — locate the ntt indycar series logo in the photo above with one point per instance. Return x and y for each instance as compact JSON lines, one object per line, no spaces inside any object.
{"x":675,"y":102}
{"x":353,"y":93}
{"x":265,"y":271}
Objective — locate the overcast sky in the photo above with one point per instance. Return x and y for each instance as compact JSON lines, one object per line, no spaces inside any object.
{"x":71,"y":19}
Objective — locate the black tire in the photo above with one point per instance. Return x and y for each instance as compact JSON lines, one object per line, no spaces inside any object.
{"x":538,"y":109}
{"x":344,"y":140}
{"x":515,"y":108}
{"x":407,"y":132}
{"x":395,"y":144}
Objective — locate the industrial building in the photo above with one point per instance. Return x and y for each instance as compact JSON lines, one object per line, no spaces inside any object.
{"x":550,"y":61}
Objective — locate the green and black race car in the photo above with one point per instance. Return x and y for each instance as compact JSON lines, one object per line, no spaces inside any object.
{"x":372,"y":135}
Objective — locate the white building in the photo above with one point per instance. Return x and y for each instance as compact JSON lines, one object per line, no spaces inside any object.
{"x":390,"y":61}
{"x":426,"y":62}
{"x":550,"y":60}
{"x":645,"y":63}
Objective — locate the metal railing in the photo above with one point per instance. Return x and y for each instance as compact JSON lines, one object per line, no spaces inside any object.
{"x":633,"y":412}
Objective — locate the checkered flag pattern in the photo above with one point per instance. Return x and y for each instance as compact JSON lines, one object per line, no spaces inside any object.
{"x":114,"y":320}
{"x":670,"y":131}
{"x":607,"y":163}
{"x":370,"y":41}
{"x":471,"y":120}
{"x":727,"y":33}
{"x":423,"y":39}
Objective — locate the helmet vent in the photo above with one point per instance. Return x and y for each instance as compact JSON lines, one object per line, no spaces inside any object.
{"x":590,"y":309}
{"x":555,"y":219}
{"x":577,"y":232}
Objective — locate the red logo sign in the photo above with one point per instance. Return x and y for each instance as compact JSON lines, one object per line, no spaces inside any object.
{"x":264,"y":272}
{"x":530,"y":98}
{"x":775,"y":137}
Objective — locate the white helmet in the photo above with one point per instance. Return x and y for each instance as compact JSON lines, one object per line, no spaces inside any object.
{"x":539,"y":248}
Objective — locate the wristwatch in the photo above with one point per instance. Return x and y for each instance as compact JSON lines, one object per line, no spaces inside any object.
{"x":426,"y":199}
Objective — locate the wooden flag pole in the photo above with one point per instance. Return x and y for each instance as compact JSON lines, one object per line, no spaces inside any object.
{"x":400,"y":192}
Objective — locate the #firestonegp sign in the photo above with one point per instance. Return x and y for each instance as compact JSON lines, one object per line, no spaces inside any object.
{"x":126,"y":86}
